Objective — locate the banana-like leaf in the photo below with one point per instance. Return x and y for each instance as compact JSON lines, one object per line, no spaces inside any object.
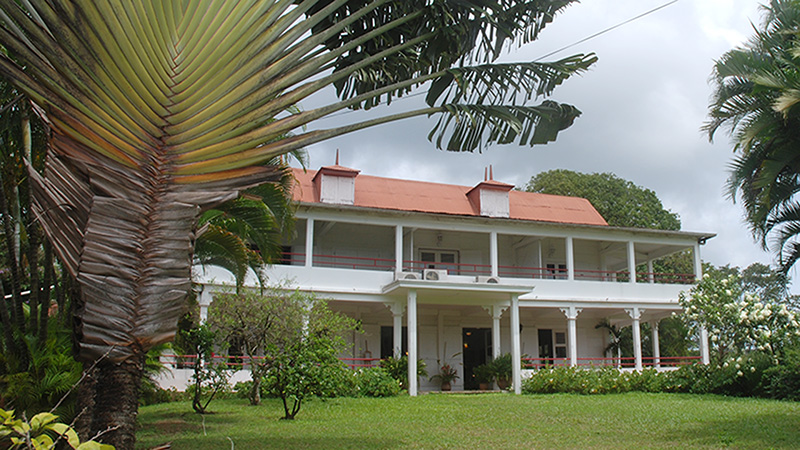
{"x":161,"y":110}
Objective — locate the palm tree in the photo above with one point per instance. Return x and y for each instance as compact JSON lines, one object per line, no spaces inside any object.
{"x":244,"y":235}
{"x":161,"y":110}
{"x":756,"y":96}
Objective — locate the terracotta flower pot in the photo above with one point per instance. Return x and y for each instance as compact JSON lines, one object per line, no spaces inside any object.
{"x":446,"y":386}
{"x":503,"y":383}
{"x":483,"y":386}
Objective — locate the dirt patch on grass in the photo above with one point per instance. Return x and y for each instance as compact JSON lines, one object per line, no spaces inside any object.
{"x":173,"y":426}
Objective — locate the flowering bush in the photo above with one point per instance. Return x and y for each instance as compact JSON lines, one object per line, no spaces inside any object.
{"x":738,"y":321}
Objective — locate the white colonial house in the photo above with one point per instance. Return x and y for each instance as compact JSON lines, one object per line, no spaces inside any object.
{"x":460,"y":274}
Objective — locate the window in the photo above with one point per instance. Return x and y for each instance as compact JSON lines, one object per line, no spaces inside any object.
{"x":557,"y":271}
{"x":440,"y":259}
{"x":560,"y":344}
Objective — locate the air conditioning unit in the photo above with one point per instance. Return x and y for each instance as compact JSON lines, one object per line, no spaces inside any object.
{"x":398,"y":276}
{"x":434,"y":275}
{"x":488,"y":280}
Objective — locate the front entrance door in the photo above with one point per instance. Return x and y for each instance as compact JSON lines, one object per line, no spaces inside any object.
{"x":477,"y":343}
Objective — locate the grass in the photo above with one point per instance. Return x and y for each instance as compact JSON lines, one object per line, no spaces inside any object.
{"x":486,"y":421}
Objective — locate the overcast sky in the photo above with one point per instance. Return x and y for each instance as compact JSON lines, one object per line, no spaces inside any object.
{"x":643,"y":104}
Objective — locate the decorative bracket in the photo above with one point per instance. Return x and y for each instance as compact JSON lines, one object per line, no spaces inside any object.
{"x":571,"y":312}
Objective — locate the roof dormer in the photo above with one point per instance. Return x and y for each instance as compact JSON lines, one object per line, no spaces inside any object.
{"x":490,"y":198}
{"x":336,"y":184}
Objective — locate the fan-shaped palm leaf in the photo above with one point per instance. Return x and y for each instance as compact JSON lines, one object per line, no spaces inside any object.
{"x":162,"y":109}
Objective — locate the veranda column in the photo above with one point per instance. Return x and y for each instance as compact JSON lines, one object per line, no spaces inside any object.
{"x":493,"y":253}
{"x":397,"y":328}
{"x":412,"y":342}
{"x":516,"y":352}
{"x":572,"y":333}
{"x":651,"y":277}
{"x":570,"y":259}
{"x":705,"y":354}
{"x":656,"y":344}
{"x":398,"y":248}
{"x":636,"y":315}
{"x":631,"y":262}
{"x":496,"y":311}
{"x":309,"y":242}
{"x":698,"y":263}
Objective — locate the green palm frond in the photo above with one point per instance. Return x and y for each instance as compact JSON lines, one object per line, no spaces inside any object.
{"x":467,"y":127}
{"x":756,"y":98}
{"x":162,"y":110}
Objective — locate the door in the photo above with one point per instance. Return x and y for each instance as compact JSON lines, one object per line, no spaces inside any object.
{"x":545,"y":347}
{"x":477,"y":343}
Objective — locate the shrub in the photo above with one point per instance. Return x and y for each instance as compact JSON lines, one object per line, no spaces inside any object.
{"x":397,"y":368}
{"x":783,"y":382}
{"x":376,"y":382}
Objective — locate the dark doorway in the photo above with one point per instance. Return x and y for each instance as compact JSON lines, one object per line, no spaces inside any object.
{"x":477,"y":344}
{"x":545,"y":347}
{"x":387,"y":342}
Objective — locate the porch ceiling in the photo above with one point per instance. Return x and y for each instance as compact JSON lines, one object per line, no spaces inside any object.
{"x":442,"y":292}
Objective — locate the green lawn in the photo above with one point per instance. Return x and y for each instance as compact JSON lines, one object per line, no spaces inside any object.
{"x":486,"y":421}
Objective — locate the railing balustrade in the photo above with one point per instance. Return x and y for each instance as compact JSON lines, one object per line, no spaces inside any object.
{"x":242,"y":362}
{"x":544,"y":273}
{"x":622,"y":363}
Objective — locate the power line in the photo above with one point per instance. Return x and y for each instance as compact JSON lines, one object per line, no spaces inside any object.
{"x":606,"y":30}
{"x":588,"y":38}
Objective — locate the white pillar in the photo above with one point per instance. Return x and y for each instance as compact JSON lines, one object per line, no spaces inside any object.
{"x":651,"y":277}
{"x":412,"y":343}
{"x":656,"y":344}
{"x":493,"y":253}
{"x":698,"y":263}
{"x":705,"y":354}
{"x":397,"y":328}
{"x":570,"y":259}
{"x":309,"y":242}
{"x":636,"y":315}
{"x":631,"y":262}
{"x":398,"y":248}
{"x":539,"y":260}
{"x":572,"y":333}
{"x":516,"y":352}
{"x":496,"y":312}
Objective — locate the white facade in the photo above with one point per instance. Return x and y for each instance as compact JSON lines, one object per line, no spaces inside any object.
{"x":444,"y":286}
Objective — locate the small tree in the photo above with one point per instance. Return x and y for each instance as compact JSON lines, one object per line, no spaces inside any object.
{"x":247,"y":318}
{"x":209,"y":376}
{"x":305,"y":341}
{"x":738,"y":321}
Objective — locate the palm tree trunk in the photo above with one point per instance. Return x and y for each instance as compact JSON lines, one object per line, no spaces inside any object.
{"x":44,"y":300}
{"x":117,"y":401}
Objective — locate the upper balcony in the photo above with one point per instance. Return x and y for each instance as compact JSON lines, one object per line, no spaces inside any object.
{"x":370,"y":254}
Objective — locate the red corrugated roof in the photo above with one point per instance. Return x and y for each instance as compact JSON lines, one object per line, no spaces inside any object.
{"x":438,"y":198}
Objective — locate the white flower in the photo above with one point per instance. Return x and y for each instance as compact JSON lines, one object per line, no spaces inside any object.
{"x":752,"y":369}
{"x":739,"y":373}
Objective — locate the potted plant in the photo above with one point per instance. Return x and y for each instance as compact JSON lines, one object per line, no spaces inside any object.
{"x":447,"y":374}
{"x":502,"y":370}
{"x":484,"y":375}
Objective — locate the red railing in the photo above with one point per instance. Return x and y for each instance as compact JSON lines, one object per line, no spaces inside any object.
{"x":234,"y":361}
{"x":386,"y":265}
{"x":240,"y":361}
{"x":625,"y":362}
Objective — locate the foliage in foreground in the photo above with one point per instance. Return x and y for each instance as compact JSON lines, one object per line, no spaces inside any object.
{"x":39,"y":433}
